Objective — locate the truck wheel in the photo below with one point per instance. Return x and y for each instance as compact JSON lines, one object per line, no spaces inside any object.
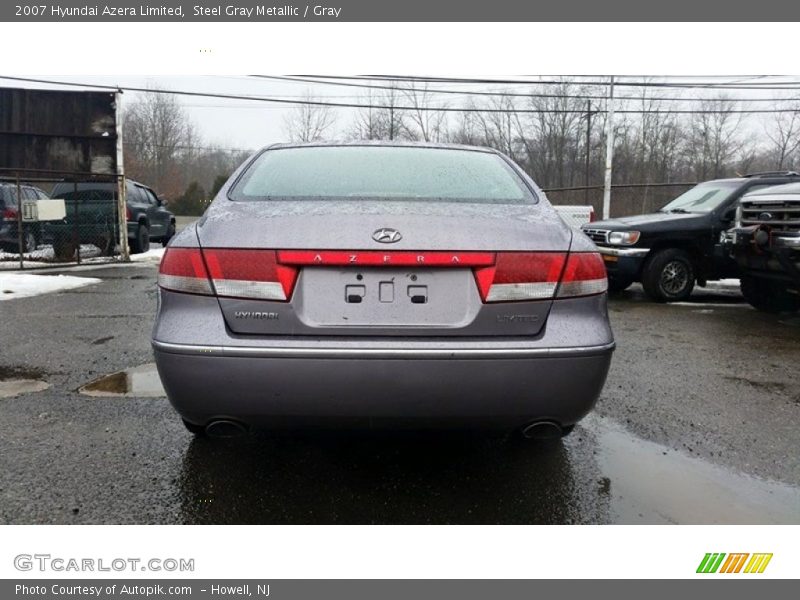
{"x":169,"y":235}
{"x":29,"y":243}
{"x":768,"y":296}
{"x":141,"y":243}
{"x":63,"y":248}
{"x":668,"y":275}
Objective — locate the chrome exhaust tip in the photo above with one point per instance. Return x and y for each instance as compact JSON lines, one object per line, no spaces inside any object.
{"x":542,"y":430}
{"x":225,"y":428}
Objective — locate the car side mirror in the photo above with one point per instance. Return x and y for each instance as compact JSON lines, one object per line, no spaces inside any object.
{"x":161,"y":201}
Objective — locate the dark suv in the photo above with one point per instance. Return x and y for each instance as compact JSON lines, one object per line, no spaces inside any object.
{"x":668,"y":251}
{"x":9,"y":218}
{"x":92,"y":206}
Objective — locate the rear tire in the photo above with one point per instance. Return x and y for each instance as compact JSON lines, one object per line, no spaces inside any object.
{"x":29,"y":241}
{"x":169,"y":235}
{"x":64,"y":249}
{"x":141,"y":243}
{"x":107,"y":243}
{"x":668,"y":275}
{"x":768,"y":296}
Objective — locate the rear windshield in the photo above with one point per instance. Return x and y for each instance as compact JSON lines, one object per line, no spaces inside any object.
{"x":381,"y":173}
{"x":85,"y":191}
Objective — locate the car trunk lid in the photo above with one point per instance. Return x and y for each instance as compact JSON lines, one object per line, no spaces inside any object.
{"x":432,"y":279}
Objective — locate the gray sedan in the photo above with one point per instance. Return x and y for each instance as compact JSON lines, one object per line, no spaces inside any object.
{"x":382,"y":284}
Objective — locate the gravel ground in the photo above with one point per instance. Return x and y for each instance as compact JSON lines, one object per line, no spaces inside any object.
{"x":698,"y":423}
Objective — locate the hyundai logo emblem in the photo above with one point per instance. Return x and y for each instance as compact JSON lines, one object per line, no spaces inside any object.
{"x":386,"y":235}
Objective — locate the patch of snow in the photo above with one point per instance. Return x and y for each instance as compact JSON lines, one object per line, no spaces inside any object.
{"x":25,"y":285}
{"x":724,"y":283}
{"x":153,"y":255}
{"x":708,"y":305}
{"x":11,"y":388}
{"x":46,"y":254}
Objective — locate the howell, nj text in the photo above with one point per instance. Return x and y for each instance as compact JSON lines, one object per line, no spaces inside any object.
{"x":239,"y":590}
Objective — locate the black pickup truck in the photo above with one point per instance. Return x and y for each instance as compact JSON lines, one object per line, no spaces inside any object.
{"x":681,"y":244}
{"x":765,"y":242}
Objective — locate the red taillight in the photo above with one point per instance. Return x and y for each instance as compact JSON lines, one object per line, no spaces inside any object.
{"x":584,"y":275}
{"x":183,"y":270}
{"x":128,"y":213}
{"x":10,"y":213}
{"x":253,"y":274}
{"x":592,"y":216}
{"x":520,"y":276}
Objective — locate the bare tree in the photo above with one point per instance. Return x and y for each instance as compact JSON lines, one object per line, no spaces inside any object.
{"x":309,"y":122}
{"x":157,"y":136}
{"x":430,"y":124}
{"x":714,"y":138}
{"x":784,"y":133}
{"x":381,"y":118}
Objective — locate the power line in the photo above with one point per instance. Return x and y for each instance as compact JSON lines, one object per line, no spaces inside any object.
{"x":447,"y":109}
{"x":328,"y":80}
{"x":658,"y":84}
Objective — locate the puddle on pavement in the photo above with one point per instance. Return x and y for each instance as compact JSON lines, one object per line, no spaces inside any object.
{"x":141,"y":382}
{"x":9,"y":388}
{"x":18,"y":380}
{"x":650,"y":483}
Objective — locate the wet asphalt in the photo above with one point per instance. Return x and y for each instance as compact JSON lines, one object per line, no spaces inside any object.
{"x":699,"y":422}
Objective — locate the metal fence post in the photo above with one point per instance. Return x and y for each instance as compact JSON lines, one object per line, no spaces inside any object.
{"x":76,"y":237}
{"x":122,"y":206}
{"x":19,"y":225}
{"x":609,"y":151}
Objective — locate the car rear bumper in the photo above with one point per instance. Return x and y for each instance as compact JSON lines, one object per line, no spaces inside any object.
{"x":368,"y":387}
{"x":210,"y":373}
{"x":9,"y":233}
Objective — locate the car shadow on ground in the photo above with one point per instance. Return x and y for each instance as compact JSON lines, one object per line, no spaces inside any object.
{"x":383,"y":478}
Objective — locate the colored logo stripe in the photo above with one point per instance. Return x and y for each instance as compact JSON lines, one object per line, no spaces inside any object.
{"x":733,"y":564}
{"x":710,"y":562}
{"x":758,"y":563}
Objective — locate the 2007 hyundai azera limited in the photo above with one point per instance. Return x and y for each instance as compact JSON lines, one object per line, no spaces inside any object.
{"x":382,"y":284}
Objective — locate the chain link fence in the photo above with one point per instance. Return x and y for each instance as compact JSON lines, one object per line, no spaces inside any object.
{"x":626,"y":198}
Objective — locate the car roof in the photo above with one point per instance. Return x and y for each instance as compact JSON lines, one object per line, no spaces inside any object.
{"x":759,"y":177}
{"x":784,"y":188}
{"x":381,"y":143}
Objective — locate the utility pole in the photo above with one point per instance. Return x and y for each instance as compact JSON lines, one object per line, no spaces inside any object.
{"x":609,"y":151}
{"x":588,"y":142}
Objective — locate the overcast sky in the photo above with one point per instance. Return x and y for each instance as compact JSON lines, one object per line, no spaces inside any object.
{"x":250,"y":125}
